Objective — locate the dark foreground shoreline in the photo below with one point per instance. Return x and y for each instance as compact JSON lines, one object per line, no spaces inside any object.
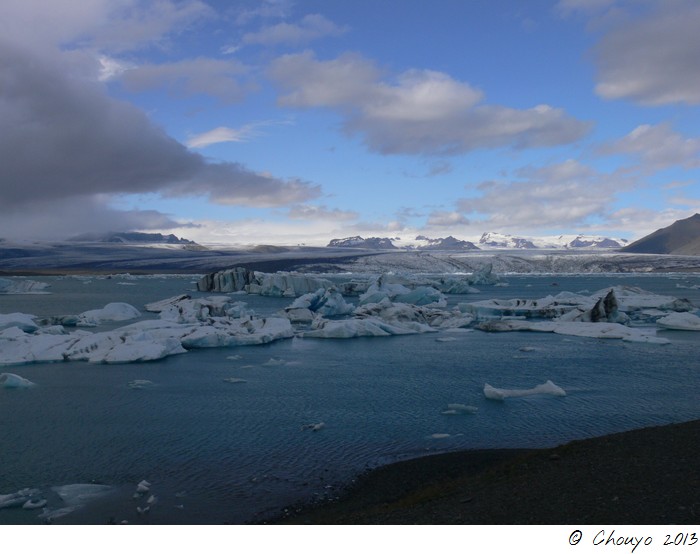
{"x":646,"y":476}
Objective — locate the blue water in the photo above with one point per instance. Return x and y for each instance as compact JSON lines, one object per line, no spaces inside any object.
{"x":220,"y":452}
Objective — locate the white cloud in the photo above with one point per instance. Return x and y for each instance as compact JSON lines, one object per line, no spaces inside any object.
{"x":321,"y":213}
{"x":229,"y":134}
{"x":311,"y":27}
{"x":220,"y":134}
{"x":114,"y":25}
{"x":218,"y":78}
{"x":421,"y":112}
{"x":654,"y":58}
{"x":658,"y":147}
{"x":440,"y":218}
{"x":563,"y":195}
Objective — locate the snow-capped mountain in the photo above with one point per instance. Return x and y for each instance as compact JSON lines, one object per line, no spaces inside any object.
{"x":448,"y":243}
{"x":501,"y":240}
{"x":374,"y":243}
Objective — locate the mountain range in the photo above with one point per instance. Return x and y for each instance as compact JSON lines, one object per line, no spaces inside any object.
{"x":488,"y":241}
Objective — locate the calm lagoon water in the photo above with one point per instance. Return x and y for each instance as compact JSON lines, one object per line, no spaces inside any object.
{"x":218,"y":452}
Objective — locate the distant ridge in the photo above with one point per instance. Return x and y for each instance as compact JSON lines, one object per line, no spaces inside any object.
{"x":448,"y":243}
{"x":374,"y":243}
{"x":131,"y":237}
{"x":681,"y":237}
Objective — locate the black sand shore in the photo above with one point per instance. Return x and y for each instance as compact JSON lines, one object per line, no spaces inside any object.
{"x":646,"y":476}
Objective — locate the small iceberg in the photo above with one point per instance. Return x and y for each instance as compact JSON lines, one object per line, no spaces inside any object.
{"x":459,"y":409}
{"x":12,"y":381}
{"x":313,"y":426}
{"x":140,"y":384}
{"x":549,"y":388}
{"x":234,"y":380}
{"x":18,"y":498}
{"x":680,"y":321}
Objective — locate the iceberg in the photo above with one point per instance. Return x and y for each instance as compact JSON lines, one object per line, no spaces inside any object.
{"x":23,"y":286}
{"x":160,"y":305}
{"x":114,"y":311}
{"x":459,"y":409}
{"x":25,"y":322}
{"x":326,"y":302}
{"x":351,"y":328}
{"x":383,"y":289}
{"x":680,"y":321}
{"x":280,"y":284}
{"x":12,"y":381}
{"x":576,"y":329}
{"x":18,"y":498}
{"x":549,"y":388}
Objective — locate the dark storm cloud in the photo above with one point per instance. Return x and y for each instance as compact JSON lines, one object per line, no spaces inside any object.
{"x":63,"y":137}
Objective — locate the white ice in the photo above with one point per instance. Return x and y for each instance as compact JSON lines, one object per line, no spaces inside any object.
{"x":680,"y":321}
{"x":114,"y":311}
{"x":13,"y":381}
{"x":549,"y":388}
{"x":22,"y":286}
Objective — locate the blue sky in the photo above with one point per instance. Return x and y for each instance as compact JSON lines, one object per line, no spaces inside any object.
{"x":272,"y":121}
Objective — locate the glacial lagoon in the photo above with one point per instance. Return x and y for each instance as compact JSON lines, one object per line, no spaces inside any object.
{"x":232,"y":435}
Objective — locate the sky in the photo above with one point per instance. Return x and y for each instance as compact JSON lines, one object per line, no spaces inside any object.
{"x":295,"y":122}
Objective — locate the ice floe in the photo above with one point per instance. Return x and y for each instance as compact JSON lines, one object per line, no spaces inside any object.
{"x":680,"y":321}
{"x":13,"y":381}
{"x":25,"y":322}
{"x":547,"y":388}
{"x":280,"y":284}
{"x":313,"y":426}
{"x":460,"y":409}
{"x":18,"y":498}
{"x":114,"y":311}
{"x":22,"y":286}
{"x":325,"y":302}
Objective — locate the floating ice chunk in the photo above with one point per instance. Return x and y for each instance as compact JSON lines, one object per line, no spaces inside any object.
{"x":160,"y":305}
{"x":12,"y":381}
{"x":22,"y":286}
{"x":527,"y":349}
{"x":459,"y":409}
{"x":313,"y":426}
{"x":577,"y":329}
{"x":234,"y":380}
{"x":550,"y":388}
{"x":327,"y":302}
{"x":381,"y":290}
{"x":484,"y":276}
{"x":289,"y":285}
{"x":440,"y":436}
{"x":114,"y":311}
{"x":234,"y":357}
{"x":274,"y":362}
{"x":25,"y":322}
{"x":34,"y":504}
{"x":446,"y":339}
{"x":75,"y":496}
{"x":680,"y":321}
{"x":143,"y":487}
{"x":140,"y":384}
{"x":18,"y":498}
{"x":351,"y":328}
